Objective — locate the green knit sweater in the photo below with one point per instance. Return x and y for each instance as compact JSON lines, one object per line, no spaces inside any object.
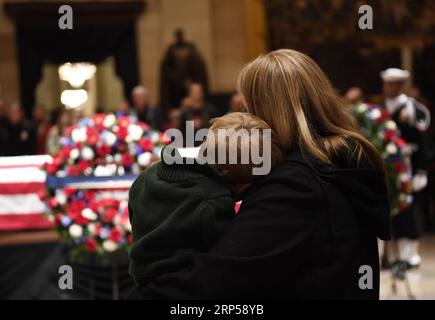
{"x":173,"y":208}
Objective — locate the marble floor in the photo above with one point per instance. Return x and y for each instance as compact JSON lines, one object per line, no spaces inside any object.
{"x":421,"y":281}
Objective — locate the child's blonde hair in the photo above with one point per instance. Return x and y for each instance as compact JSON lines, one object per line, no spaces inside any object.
{"x":240,"y":124}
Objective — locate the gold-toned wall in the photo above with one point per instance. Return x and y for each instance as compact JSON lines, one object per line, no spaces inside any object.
{"x":227,"y":33}
{"x":9,"y":78}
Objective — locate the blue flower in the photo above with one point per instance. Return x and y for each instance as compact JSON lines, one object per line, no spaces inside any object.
{"x":65,"y":221}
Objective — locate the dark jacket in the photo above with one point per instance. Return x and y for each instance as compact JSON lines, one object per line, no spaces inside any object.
{"x":175,"y":207}
{"x":301,"y":233}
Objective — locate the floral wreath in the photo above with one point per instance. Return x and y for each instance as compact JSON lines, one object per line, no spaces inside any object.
{"x":375,"y":123}
{"x":95,"y":219}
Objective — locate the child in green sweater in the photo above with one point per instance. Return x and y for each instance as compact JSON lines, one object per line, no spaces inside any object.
{"x":177,"y":207}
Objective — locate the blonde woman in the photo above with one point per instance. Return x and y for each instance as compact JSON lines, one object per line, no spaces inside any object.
{"x":309,"y":229}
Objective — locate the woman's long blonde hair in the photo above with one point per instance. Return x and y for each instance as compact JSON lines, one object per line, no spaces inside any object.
{"x":289,"y":91}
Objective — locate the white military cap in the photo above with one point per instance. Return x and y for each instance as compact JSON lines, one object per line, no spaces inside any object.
{"x":394,"y":74}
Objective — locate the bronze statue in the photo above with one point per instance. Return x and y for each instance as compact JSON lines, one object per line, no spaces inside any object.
{"x":181,"y":66}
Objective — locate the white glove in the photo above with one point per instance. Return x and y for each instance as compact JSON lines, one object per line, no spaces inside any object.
{"x":419,"y":181}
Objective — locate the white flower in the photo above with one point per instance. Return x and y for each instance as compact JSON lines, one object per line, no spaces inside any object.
{"x":110,"y":246}
{"x":79,"y":134}
{"x":361,"y":108}
{"x":61,"y":197}
{"x":404,"y":177}
{"x":109,"y":121}
{"x":117,"y":157}
{"x":89,"y":214}
{"x":132,"y":149}
{"x":135,"y":132}
{"x":75,"y":231}
{"x":121,"y":171}
{"x":110,"y":139}
{"x":101,"y":171}
{"x":129,"y":138}
{"x":135,"y":169}
{"x":127,"y":226}
{"x":154,"y":137}
{"x":390,"y":125}
{"x":375,"y":114}
{"x":109,"y":158}
{"x":87,"y":153}
{"x":381,"y":135}
{"x":105,"y":170}
{"x":74,"y":154}
{"x":391,"y":148}
{"x":144,"y":159}
{"x":123,"y":223}
{"x":91,"y":228}
{"x":123,"y":205}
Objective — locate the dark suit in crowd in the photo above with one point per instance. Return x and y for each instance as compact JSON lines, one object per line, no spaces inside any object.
{"x":410,"y":222}
{"x":18,"y":138}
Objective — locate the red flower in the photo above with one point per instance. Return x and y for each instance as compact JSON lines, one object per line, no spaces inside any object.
{"x":164,"y":138}
{"x":384,"y":116}
{"x":78,"y":145}
{"x":146,"y":144}
{"x":73,"y":214}
{"x":90,"y":195}
{"x":83,"y":165}
{"x":110,"y":203}
{"x":115,"y":235}
{"x":77,"y":205}
{"x":127,"y":160}
{"x":65,"y":152}
{"x":144,"y":126}
{"x":69,"y":130}
{"x":81,"y":220}
{"x":94,"y":205}
{"x":97,"y":229}
{"x":42,"y":195}
{"x":51,"y":169}
{"x":400,"y":142}
{"x":121,"y":133}
{"x":109,"y":215}
{"x":405,"y":187}
{"x":103,"y":150}
{"x":69,"y":191}
{"x":124,"y":121}
{"x":389,"y":135}
{"x":57,"y":159}
{"x":52,"y":203}
{"x":92,"y":136}
{"x":91,"y":244}
{"x":73,"y":171}
{"x":122,"y":148}
{"x":399,"y":166}
{"x":57,"y":218}
{"x":98,"y":118}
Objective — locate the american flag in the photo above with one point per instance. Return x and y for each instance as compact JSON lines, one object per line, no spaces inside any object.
{"x":21,"y":181}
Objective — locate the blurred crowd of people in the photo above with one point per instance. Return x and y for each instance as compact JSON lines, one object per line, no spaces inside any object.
{"x":40,"y":134}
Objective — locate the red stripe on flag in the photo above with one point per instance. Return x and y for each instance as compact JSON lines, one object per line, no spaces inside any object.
{"x":21,"y":187}
{"x":24,"y":221}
